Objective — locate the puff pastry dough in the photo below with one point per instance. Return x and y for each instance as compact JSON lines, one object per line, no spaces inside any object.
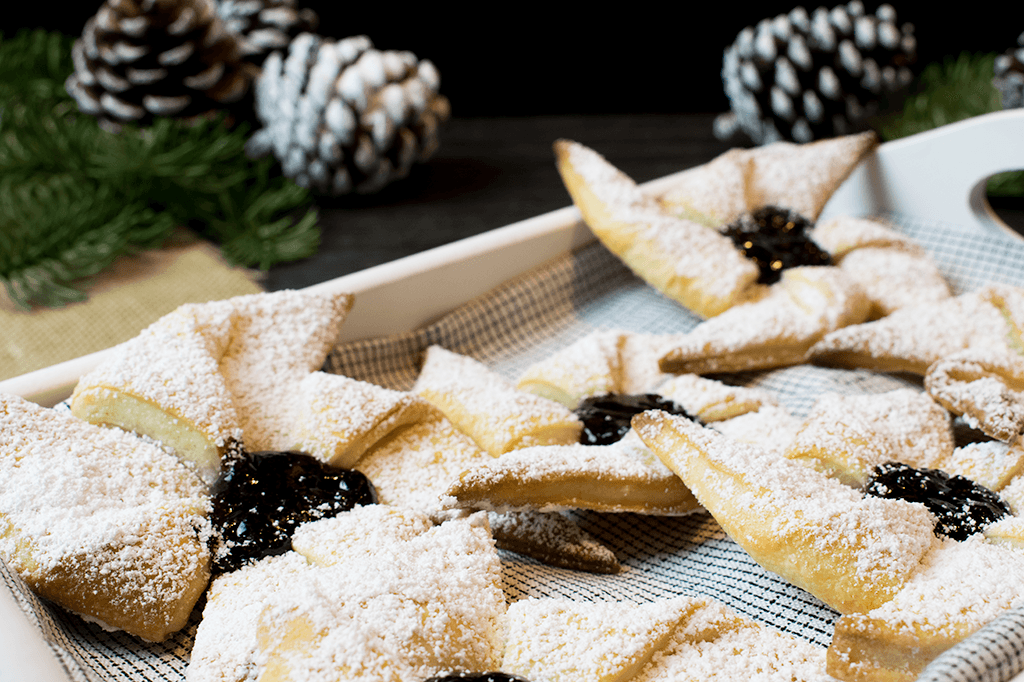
{"x":101,"y":522}
{"x":489,"y":408}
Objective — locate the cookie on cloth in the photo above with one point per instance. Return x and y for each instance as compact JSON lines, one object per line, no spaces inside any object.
{"x":905,"y":593}
{"x":489,"y":408}
{"x":775,"y":331}
{"x":97,"y":520}
{"x":621,"y":477}
{"x":847,"y":436}
{"x":210,"y":375}
{"x":383,"y":595}
{"x":679,"y":639}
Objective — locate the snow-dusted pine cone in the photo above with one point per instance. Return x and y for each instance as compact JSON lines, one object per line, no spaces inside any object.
{"x":1009,"y":75}
{"x":139,"y":59}
{"x":342,"y":116}
{"x":266,"y":25}
{"x":805,"y":76}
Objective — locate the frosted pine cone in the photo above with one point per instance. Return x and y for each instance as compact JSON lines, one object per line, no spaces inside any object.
{"x":344,"y":117}
{"x":139,"y":59}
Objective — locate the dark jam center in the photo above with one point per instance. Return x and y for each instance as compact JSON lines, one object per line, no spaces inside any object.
{"x":606,"y":417}
{"x":478,"y":677}
{"x":260,"y":499}
{"x":776,"y":239}
{"x":961,"y":506}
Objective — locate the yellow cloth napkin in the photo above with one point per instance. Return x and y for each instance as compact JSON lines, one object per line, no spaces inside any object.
{"x":123,"y":300}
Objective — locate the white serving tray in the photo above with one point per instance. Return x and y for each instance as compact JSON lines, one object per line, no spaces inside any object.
{"x":937,"y":176}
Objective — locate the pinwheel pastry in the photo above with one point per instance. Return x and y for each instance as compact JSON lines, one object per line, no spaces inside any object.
{"x":215,"y":375}
{"x":968,"y":348}
{"x":101,"y":522}
{"x":727,"y":231}
{"x":905,"y":562}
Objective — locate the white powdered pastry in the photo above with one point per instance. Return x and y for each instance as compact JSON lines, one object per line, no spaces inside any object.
{"x":775,"y":331}
{"x":276,"y":340}
{"x":843,"y":235}
{"x":416,"y":464}
{"x":982,"y":386}
{"x":911,"y":339}
{"x":688,"y":261}
{"x":338,"y":419}
{"x":488,"y":408}
{"x":992,"y":464}
{"x":852,"y":552}
{"x":712,"y":400}
{"x":401,"y":610}
{"x":591,"y":366}
{"x":100,"y":521}
{"x":848,"y":436}
{"x":893,"y":278}
{"x":772,"y":428}
{"x":621,"y":477}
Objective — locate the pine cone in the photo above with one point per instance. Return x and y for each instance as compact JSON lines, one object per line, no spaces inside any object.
{"x":344,"y":117}
{"x":1009,"y":75}
{"x":139,"y":59}
{"x":803,"y":77}
{"x":265,"y":25}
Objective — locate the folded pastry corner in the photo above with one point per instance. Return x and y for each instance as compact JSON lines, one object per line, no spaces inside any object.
{"x":687,"y":261}
{"x":775,"y":331}
{"x":489,"y":408}
{"x":97,"y":520}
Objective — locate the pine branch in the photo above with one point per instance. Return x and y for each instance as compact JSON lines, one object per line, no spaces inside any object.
{"x":74,"y":197}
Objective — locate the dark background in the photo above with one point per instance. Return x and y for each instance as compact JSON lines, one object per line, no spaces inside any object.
{"x":516,"y":59}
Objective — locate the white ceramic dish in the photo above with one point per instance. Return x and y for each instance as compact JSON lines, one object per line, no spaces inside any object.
{"x":937,"y":176}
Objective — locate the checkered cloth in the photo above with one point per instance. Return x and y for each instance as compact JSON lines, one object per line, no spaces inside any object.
{"x":525,"y":320}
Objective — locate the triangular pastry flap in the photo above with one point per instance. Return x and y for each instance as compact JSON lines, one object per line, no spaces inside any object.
{"x":712,"y":194}
{"x":911,"y":339}
{"x":165,"y":383}
{"x":985,"y":387}
{"x":488,"y":408}
{"x":621,"y":477}
{"x":844,"y":234}
{"x":771,"y":428}
{"x":990,"y":463}
{"x":588,"y":367}
{"x":559,"y":639}
{"x":100,"y":521}
{"x":277,"y":339}
{"x":689,"y":262}
{"x":226,"y":639}
{"x":895,"y":278}
{"x":715,"y":644}
{"x":852,"y":552}
{"x":803,"y":177}
{"x":774,"y":331}
{"x":339,"y":418}
{"x":413,"y":607}
{"x":640,"y":356}
{"x":414,"y":466}
{"x":553,"y":539}
{"x":712,"y":400}
{"x":958,"y":588}
{"x":847,"y":436}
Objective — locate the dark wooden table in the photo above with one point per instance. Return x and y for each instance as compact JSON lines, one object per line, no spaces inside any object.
{"x":490,"y":172}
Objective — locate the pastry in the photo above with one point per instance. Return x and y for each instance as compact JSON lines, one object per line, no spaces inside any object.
{"x":680,"y":639}
{"x":101,"y":522}
{"x":209,"y":375}
{"x":489,"y":408}
{"x":905,"y":593}
{"x":553,"y":539}
{"x":338,"y":419}
{"x":984,"y":386}
{"x":378,"y":593}
{"x":911,"y":339}
{"x":846,"y":437}
{"x":775,"y":331}
{"x":687,"y":261}
{"x":620,"y":477}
